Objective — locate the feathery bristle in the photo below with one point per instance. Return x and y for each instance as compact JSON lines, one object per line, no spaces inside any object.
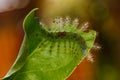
{"x":90,"y":57}
{"x":64,"y":25}
{"x":75,"y":22}
{"x":67,"y":21}
{"x":84,"y":26}
{"x":96,"y":46}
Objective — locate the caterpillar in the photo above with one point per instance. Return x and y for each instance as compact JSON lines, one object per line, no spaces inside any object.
{"x":50,"y":53}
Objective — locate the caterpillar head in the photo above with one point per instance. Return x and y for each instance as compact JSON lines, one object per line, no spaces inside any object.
{"x":51,"y":53}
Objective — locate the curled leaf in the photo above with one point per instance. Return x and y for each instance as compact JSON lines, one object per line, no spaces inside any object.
{"x":50,"y":54}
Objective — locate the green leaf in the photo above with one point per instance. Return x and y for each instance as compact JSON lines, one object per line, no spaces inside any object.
{"x":47,"y":55}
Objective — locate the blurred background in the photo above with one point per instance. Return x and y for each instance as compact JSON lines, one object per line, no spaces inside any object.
{"x":103,"y":15}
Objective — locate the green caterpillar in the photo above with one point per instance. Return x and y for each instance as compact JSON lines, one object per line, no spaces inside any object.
{"x":50,"y":54}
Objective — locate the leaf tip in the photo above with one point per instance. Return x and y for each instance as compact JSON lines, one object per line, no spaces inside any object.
{"x":29,"y":16}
